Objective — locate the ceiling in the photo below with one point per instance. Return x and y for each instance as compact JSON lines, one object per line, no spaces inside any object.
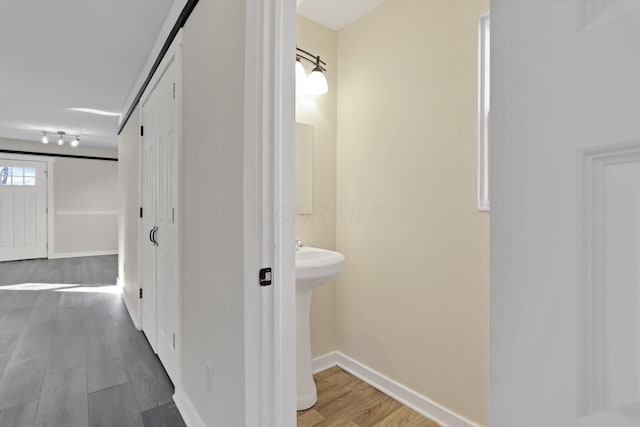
{"x":64,"y":54}
{"x":336,"y":14}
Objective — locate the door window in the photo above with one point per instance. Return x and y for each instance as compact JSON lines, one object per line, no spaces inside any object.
{"x":17,"y":176}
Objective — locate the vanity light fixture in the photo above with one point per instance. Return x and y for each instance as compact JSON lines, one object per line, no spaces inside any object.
{"x":316,"y":83}
{"x":75,"y":141}
{"x":301,"y":77}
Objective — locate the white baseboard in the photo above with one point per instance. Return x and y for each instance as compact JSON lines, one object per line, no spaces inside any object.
{"x":128,"y":304}
{"x":403,"y":394}
{"x":186,"y":409}
{"x":324,"y":362}
{"x":58,"y":255}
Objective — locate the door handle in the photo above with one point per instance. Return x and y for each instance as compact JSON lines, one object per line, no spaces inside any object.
{"x":151,"y":235}
{"x":155,"y":232}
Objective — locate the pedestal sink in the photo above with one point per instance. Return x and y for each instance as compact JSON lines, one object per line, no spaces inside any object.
{"x":314,"y":268}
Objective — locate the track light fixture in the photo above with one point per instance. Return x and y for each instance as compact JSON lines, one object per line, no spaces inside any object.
{"x":316,"y":83}
{"x":75,"y":141}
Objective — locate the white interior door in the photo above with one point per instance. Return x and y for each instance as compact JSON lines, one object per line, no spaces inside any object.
{"x":23,"y":209}
{"x":161,"y":290}
{"x":148,"y":192}
{"x":565,"y":220}
{"x":167,"y":235}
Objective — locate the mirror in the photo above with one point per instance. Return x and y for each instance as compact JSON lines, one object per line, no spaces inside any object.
{"x":304,"y":169}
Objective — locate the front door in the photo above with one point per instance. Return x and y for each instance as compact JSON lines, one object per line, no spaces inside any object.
{"x":565,"y":220}
{"x":23,"y":210}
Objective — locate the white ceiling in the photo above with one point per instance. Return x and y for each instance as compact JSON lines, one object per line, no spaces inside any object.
{"x":336,"y":14}
{"x":64,"y":54}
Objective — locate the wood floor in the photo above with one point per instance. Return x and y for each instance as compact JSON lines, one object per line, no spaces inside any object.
{"x":344,"y":400}
{"x":69,"y":353}
{"x":71,"y":357}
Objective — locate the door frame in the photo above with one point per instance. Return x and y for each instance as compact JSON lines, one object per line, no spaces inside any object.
{"x":270,"y":85}
{"x":50,"y":161}
{"x":174,"y":53}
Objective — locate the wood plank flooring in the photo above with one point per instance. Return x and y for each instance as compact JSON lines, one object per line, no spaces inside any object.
{"x":344,"y":400}
{"x":69,"y":353}
{"x":70,"y":356}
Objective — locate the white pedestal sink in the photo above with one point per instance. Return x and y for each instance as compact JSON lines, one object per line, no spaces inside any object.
{"x":314,"y":268}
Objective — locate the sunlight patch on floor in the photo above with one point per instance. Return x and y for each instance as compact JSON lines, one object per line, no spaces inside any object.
{"x":36,"y":287}
{"x":110,"y":289}
{"x":63,"y":287}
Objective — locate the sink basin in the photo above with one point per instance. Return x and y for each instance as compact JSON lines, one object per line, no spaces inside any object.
{"x":314,"y":268}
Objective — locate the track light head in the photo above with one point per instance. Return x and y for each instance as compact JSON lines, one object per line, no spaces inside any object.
{"x":74,"y":140}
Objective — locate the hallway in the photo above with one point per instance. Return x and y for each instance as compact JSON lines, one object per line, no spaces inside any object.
{"x":69,"y":353}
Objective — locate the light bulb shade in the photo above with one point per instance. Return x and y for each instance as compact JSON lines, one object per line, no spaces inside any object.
{"x":75,"y":142}
{"x":301,"y":78}
{"x":317,"y":83}
{"x":45,"y":138}
{"x":60,"y":141}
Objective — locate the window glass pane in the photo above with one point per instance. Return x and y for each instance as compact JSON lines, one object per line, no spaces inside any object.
{"x":30,"y":181}
{"x":17,"y":171}
{"x":484,"y":114}
{"x":18,"y":180}
{"x":29,"y":171}
{"x":5,"y":175}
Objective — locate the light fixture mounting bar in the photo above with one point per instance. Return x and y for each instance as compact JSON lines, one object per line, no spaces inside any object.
{"x":308,"y":56}
{"x":58,"y":132}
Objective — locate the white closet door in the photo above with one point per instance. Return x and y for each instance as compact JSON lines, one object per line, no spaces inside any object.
{"x":167,"y":238}
{"x":160,"y":283}
{"x":149,"y":179}
{"x":23,"y":210}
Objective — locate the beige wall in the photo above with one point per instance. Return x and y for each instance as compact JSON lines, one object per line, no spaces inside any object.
{"x":128,"y":173}
{"x":80,"y":186}
{"x":413,"y":301}
{"x":319,"y":228}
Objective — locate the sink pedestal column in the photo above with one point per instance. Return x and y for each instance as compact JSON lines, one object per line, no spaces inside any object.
{"x":307,"y":394}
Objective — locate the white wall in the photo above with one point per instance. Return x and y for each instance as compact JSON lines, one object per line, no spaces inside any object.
{"x":36,"y":146}
{"x":129,"y":214}
{"x":85,"y":199}
{"x":213,"y":310}
{"x":86,"y":206}
{"x":221,"y":297}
